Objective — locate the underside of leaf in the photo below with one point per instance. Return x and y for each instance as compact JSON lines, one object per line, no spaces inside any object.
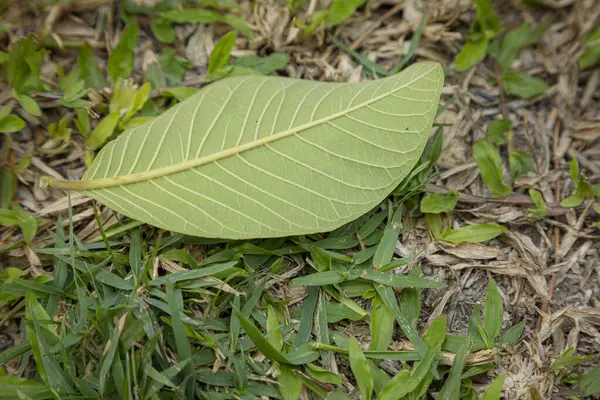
{"x":252,"y":156}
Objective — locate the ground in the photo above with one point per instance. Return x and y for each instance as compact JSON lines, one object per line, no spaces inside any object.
{"x":546,"y":267}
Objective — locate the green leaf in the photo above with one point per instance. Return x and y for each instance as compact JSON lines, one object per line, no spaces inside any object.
{"x":290,"y":386}
{"x":523,"y":85}
{"x":162,"y":30}
{"x":184,"y":349}
{"x":575,"y":200}
{"x":191,"y":15}
{"x":28,"y":226}
{"x":520,"y":163}
{"x":388,"y":298}
{"x":239,"y":24}
{"x":323,"y":375}
{"x":414,"y":43}
{"x":451,"y":388}
{"x":11,"y":386}
{"x":89,"y":69}
{"x":26,"y":222}
{"x":397,"y":280}
{"x":274,"y":335}
{"x":540,"y":210}
{"x":29,"y":105}
{"x":515,"y":40}
{"x":474,"y":233}
{"x":490,"y":166}
{"x":498,"y":129}
{"x":567,"y":359}
{"x":219,"y":58}
{"x":108,"y":356}
{"x":434,"y":223}
{"x":8,"y":218}
{"x":472,"y":52}
{"x":317,"y":18}
{"x":139,"y":98}
{"x":265,"y":65}
{"x":335,"y":395}
{"x":260,"y":341}
{"x":493,"y":311}
{"x":486,"y":21}
{"x":514,"y":333}
{"x":103,"y":130}
{"x":435,"y":203}
{"x":385,"y":248}
{"x":591,"y":46}
{"x":120,"y":62}
{"x":574,"y":171}
{"x":338,"y":311}
{"x":268,"y":167}
{"x":382,"y":325}
{"x":341,"y":10}
{"x":11,"y":123}
{"x":360,"y":369}
{"x":181,"y":93}
{"x":370,"y":67}
{"x":590,"y":384}
{"x":494,"y":391}
{"x":172,"y":65}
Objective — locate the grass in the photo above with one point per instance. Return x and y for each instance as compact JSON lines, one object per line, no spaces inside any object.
{"x":139,"y":313}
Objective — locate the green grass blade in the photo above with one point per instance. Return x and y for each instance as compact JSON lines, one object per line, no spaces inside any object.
{"x":494,"y":391}
{"x":260,"y":341}
{"x":184,"y":350}
{"x":108,"y":357}
{"x":396,"y":280}
{"x":493,"y":312}
{"x":389,"y":299}
{"x":290,"y":386}
{"x":381,"y":325}
{"x":306,"y":320}
{"x":193,"y":274}
{"x":451,"y":388}
{"x":360,"y":369}
{"x":414,"y":43}
{"x":321,"y":326}
{"x":385,"y":248}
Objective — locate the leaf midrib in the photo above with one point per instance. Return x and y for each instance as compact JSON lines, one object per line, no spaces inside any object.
{"x":197,"y":162}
